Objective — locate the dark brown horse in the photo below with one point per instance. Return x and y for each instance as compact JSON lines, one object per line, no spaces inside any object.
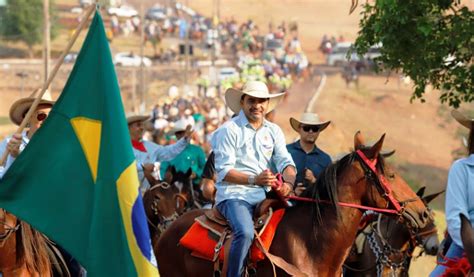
{"x":163,"y":204}
{"x":24,"y":251}
{"x":388,"y":246}
{"x":315,"y":237}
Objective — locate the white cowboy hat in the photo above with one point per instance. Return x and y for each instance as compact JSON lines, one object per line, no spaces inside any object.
{"x":178,"y":126}
{"x":137,"y":118}
{"x":20,"y":107}
{"x":462,"y":119}
{"x":255,"y":89}
{"x":308,"y":119}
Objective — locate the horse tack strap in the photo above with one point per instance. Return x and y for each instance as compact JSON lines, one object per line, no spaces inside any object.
{"x":383,"y":181}
{"x":279,"y":261}
{"x":344,"y":204}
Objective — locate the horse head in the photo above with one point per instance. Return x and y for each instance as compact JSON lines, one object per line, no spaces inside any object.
{"x":8,"y":227}
{"x":183,"y":181}
{"x":427,"y":237}
{"x":163,"y":204}
{"x":394,"y":194}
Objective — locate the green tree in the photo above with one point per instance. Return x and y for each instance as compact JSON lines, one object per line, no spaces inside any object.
{"x":23,"y":21}
{"x":431,"y":41}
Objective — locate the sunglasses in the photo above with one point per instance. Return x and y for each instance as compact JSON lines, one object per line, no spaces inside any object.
{"x":307,"y":128}
{"x":41,"y":116}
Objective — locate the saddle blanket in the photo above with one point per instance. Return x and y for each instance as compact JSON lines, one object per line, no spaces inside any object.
{"x":202,"y":241}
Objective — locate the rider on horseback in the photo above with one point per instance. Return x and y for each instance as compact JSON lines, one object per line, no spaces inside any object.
{"x":310,"y":160}
{"x":246,"y":147}
{"x":147,"y":152}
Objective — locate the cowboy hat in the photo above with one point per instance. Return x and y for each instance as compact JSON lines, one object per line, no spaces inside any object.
{"x":137,"y":118}
{"x":462,"y":119}
{"x":255,"y":89}
{"x":308,"y":119}
{"x":178,"y":126}
{"x":20,"y":107}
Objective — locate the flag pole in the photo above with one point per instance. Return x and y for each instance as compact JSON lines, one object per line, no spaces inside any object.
{"x":60,"y":61}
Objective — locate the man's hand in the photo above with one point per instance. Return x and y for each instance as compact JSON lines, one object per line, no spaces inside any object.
{"x":266,"y":178}
{"x":299,"y":189}
{"x":188,"y":133}
{"x":148,"y":168}
{"x":13,"y":145}
{"x":309,"y":176}
{"x":285,"y":189}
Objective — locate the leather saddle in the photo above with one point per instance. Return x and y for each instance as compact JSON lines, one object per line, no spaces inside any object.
{"x":214,"y":221}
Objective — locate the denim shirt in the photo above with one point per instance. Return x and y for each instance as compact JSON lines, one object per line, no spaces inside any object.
{"x":460,"y":196}
{"x":316,"y":160}
{"x":237,"y":145}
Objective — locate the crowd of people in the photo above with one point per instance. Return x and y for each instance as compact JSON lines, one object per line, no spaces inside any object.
{"x":247,"y":151}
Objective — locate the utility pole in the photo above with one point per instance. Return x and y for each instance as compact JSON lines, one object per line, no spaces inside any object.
{"x":142,"y":64}
{"x":186,"y":53}
{"x":47,"y":39}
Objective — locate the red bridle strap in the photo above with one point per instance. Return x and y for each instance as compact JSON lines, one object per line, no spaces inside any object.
{"x":382,"y":180}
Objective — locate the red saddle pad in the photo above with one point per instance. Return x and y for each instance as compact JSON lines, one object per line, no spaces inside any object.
{"x":202,"y":241}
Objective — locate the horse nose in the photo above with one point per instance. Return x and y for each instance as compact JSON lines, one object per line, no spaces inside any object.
{"x":425,"y":216}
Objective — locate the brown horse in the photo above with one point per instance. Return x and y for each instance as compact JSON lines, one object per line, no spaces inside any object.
{"x":388,"y":246}
{"x":316,"y":237}
{"x":24,"y":251}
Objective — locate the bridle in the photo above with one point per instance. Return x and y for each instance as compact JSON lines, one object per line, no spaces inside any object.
{"x":384,"y":252}
{"x":164,"y":221}
{"x":381,"y":183}
{"x":9,"y":230}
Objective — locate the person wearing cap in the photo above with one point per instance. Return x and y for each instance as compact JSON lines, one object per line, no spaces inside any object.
{"x":459,"y":196}
{"x":192,"y":157}
{"x":310,"y":160}
{"x":147,"y":152}
{"x":17,"y":142}
{"x":245,"y":148}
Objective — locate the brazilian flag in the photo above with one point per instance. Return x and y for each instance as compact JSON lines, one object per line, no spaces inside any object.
{"x":76,"y":181}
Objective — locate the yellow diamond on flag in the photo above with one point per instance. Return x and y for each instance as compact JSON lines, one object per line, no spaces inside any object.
{"x":88,"y":132}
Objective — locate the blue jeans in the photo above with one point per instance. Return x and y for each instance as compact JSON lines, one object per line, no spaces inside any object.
{"x":454,"y":252}
{"x":239,"y":215}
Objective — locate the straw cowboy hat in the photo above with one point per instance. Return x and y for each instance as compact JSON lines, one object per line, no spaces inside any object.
{"x":137,"y":118}
{"x":308,"y":119}
{"x":255,"y":89}
{"x":462,"y":119}
{"x":20,"y":107}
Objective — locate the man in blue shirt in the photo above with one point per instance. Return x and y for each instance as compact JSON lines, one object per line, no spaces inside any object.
{"x":459,"y":197}
{"x":245,"y":148}
{"x":309,"y":159}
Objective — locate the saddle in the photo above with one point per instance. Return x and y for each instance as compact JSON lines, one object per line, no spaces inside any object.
{"x":211,"y":233}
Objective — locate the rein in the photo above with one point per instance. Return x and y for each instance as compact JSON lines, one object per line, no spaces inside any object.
{"x":398,"y":208}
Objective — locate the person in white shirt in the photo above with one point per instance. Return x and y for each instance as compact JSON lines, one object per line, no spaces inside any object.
{"x":147,"y":152}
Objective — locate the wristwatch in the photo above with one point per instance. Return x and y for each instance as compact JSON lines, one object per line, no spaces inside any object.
{"x":251,"y":179}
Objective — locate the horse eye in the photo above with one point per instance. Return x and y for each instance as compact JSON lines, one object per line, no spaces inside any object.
{"x":391,"y":175}
{"x":157,"y":197}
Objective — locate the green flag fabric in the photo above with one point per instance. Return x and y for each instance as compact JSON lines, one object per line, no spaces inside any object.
{"x":76,"y":181}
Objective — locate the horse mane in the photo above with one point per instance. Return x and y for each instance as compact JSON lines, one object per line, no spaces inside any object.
{"x":38,"y":252}
{"x":325,"y":189}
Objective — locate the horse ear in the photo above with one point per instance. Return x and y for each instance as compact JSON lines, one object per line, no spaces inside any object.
{"x":467,"y":237}
{"x":421,"y":192}
{"x":189,"y":172}
{"x":388,"y":154}
{"x":375,"y":149}
{"x":430,"y":197}
{"x":359,"y":140}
